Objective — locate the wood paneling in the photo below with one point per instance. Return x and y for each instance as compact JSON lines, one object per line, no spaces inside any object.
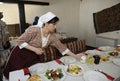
{"x":14,"y":29}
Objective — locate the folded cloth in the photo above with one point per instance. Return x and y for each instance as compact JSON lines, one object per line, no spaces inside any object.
{"x":98,"y":49}
{"x":18,"y":75}
{"x":27,"y":71}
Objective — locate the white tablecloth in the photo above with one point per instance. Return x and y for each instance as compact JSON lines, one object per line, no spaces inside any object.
{"x":108,"y":67}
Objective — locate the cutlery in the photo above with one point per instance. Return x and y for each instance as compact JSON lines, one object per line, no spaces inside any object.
{"x":107,"y":75}
{"x":59,"y":61}
{"x":98,"y":49}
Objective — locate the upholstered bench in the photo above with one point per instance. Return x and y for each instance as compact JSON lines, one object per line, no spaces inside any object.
{"x":73,"y":44}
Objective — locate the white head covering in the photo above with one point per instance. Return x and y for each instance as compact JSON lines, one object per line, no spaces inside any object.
{"x":45,"y":18}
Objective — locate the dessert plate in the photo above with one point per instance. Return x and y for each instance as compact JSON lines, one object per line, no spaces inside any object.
{"x":38,"y":68}
{"x":75,"y":71}
{"x":61,"y":79}
{"x":116,"y":61}
{"x":94,"y":76}
{"x":106,"y":48}
{"x":93,"y":52}
{"x":68,"y":59}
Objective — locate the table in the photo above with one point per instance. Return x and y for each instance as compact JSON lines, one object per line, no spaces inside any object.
{"x":108,"y":67}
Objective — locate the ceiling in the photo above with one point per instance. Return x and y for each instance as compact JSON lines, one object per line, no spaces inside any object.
{"x":35,"y":2}
{"x":24,"y":0}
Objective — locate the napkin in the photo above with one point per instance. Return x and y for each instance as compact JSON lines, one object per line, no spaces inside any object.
{"x":26,"y":71}
{"x":59,"y":61}
{"x":18,"y":75}
{"x":98,"y":49}
{"x":108,"y":76}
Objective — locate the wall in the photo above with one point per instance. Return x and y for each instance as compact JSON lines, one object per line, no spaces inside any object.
{"x":67,"y":11}
{"x":10,"y":12}
{"x":76,"y":16}
{"x":87,"y":8}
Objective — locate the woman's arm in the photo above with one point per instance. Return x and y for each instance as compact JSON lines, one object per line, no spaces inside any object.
{"x":38,"y":51}
{"x":62,"y":48}
{"x":26,"y":37}
{"x":77,"y":56}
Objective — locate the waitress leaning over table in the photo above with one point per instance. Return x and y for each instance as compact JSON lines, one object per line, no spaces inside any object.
{"x":31,"y":42}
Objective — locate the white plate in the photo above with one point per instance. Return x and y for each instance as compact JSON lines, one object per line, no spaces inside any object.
{"x":62,"y":79}
{"x":106,"y":48}
{"x":82,"y":70}
{"x":68,"y":59}
{"x":93,"y":52}
{"x":116,"y":61}
{"x":42,"y":78}
{"x":38,"y":68}
{"x":94,"y":76}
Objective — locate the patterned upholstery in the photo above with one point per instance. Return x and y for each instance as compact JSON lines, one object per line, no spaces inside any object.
{"x":50,"y":53}
{"x":76,"y":46}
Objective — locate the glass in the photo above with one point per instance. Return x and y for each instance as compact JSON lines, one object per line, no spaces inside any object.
{"x":89,"y":60}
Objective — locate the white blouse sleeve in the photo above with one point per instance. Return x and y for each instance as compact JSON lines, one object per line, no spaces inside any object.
{"x":65,"y":52}
{"x":23,"y":45}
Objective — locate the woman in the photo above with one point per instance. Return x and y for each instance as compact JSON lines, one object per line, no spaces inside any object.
{"x":4,"y":37}
{"x":31,"y":42}
{"x":35,"y":20}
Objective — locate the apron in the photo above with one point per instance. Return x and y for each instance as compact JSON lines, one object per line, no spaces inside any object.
{"x":19,"y":59}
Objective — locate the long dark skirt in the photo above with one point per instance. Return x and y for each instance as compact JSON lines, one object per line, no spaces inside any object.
{"x":20,"y":58}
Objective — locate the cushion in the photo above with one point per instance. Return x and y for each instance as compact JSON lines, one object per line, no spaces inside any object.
{"x":76,"y":46}
{"x":50,"y":53}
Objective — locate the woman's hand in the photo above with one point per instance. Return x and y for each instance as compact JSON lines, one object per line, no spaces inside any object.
{"x":78,"y":57}
{"x":38,"y":51}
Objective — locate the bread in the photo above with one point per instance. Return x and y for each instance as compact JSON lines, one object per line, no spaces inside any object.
{"x":34,"y":78}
